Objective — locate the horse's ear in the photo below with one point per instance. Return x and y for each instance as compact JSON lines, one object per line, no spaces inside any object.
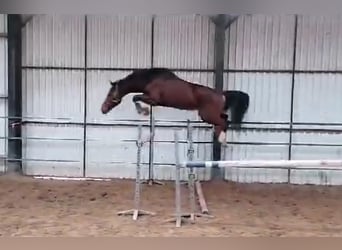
{"x":111,"y":83}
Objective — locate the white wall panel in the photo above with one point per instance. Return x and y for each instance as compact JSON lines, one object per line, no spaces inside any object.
{"x":108,"y":155}
{"x":3,"y":23}
{"x":98,"y":85}
{"x":303,"y":177}
{"x":319,"y":41}
{"x":260,"y":42}
{"x":318,"y":177}
{"x":51,"y":150}
{"x":317,"y":98}
{"x":164,"y":151}
{"x":119,"y":41}
{"x":270,"y":95}
{"x":254,"y":175}
{"x":317,"y":152}
{"x":54,"y":40}
{"x":3,"y":128}
{"x":256,"y":152}
{"x":184,"y":41}
{"x":3,"y":66}
{"x":270,"y":101}
{"x":51,"y":94}
{"x":3,"y":90}
{"x":301,"y":152}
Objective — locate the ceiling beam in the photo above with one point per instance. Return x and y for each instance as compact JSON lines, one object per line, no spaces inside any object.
{"x":25,"y":19}
{"x":224,"y":20}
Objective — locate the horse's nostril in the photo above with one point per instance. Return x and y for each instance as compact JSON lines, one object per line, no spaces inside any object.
{"x":104,"y":109}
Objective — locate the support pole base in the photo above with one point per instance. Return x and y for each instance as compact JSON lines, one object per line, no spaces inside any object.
{"x":135,"y":213}
{"x":188,"y":217}
{"x":186,"y":183}
{"x":179,"y":219}
{"x":151,"y":182}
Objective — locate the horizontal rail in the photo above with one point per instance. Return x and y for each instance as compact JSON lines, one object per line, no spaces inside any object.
{"x":31,"y":67}
{"x":282,"y":164}
{"x":46,"y":177}
{"x":283,"y":71}
{"x":67,"y":120}
{"x":146,"y":124}
{"x":130,"y":141}
{"x":39,"y":160}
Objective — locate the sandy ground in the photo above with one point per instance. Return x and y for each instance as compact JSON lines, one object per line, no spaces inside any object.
{"x":31,"y":207}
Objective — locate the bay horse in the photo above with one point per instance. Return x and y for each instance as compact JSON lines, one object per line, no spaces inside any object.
{"x":162,"y":87}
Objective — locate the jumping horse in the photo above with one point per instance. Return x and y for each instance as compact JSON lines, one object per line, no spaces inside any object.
{"x":162,"y":87}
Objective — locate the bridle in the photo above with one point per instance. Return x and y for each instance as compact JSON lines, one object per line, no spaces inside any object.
{"x":115,"y":98}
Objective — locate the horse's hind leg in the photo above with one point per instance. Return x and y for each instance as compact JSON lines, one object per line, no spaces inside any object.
{"x":221,"y":134}
{"x":220,"y":123}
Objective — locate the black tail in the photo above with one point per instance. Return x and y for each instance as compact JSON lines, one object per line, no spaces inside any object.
{"x":238,"y":103}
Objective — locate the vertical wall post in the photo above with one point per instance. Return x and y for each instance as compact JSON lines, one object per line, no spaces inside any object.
{"x":152,"y":121}
{"x":151,"y":180}
{"x":292,"y":95}
{"x":85,"y":97}
{"x":219,"y":66}
{"x":222,"y":22}
{"x":14,"y":93}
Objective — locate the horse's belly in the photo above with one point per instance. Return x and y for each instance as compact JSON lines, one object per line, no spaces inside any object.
{"x":178,"y":99}
{"x":174,"y":94}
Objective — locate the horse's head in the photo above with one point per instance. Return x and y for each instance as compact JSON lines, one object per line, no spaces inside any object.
{"x":113,"y":98}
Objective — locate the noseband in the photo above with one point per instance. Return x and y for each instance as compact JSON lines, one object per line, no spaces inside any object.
{"x":116,"y":100}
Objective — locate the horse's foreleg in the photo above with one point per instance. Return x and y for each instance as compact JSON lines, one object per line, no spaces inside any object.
{"x":145,"y":99}
{"x":138,"y":106}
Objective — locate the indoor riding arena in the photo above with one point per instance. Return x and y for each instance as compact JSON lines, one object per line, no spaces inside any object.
{"x":69,"y":169}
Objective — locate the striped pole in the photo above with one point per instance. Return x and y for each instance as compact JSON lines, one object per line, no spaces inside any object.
{"x":293,"y":164}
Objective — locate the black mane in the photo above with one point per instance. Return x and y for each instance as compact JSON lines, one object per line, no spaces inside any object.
{"x":147,"y":75}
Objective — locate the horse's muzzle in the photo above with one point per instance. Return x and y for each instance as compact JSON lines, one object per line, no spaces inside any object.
{"x":104,"y":108}
{"x":107,"y":106}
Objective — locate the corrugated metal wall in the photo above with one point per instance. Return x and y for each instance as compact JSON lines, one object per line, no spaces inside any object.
{"x":259,"y":59}
{"x":53,"y":94}
{"x":114,"y":43}
{"x":184,"y":43}
{"x":69,"y":60}
{"x":260,"y":43}
{"x":317,"y":97}
{"x":3,"y":90}
{"x":55,"y":76}
{"x":175,"y":40}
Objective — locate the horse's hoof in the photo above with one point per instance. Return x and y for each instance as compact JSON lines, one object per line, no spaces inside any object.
{"x":222,"y":138}
{"x":145,"y":111}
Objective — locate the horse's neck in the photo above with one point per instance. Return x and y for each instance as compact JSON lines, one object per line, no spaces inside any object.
{"x":130,"y":87}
